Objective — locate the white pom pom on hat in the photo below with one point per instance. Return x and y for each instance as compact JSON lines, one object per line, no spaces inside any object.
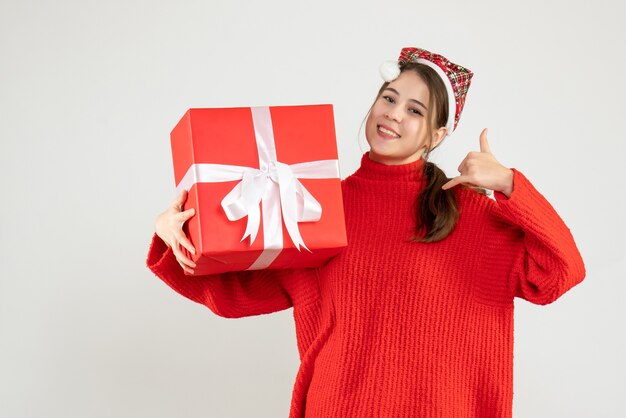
{"x":389,"y":70}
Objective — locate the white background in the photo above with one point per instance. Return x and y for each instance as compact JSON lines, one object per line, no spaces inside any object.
{"x":89,"y":91}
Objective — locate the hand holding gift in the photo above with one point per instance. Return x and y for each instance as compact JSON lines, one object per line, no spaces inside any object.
{"x":169,"y":227}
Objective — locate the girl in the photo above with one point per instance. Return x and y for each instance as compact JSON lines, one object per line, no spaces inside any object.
{"x":415,"y":317}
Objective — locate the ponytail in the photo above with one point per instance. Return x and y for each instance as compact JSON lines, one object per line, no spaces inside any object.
{"x":436,"y":209}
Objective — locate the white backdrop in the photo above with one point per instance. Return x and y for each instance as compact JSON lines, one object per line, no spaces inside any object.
{"x":89,"y":91}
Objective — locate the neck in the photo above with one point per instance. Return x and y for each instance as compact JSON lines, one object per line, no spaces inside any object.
{"x":375,"y":170}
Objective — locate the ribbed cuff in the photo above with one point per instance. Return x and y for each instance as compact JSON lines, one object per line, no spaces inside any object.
{"x":161,"y":259}
{"x":525,"y":205}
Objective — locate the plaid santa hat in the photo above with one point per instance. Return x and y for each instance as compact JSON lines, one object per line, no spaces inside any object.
{"x":455,"y":77}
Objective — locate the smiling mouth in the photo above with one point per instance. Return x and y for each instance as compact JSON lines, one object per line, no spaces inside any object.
{"x":387,"y":132}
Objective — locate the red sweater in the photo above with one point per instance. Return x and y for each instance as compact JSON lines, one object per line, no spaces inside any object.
{"x":391,"y":328}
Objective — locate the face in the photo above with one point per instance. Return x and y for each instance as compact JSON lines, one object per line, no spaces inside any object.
{"x":396,"y":126}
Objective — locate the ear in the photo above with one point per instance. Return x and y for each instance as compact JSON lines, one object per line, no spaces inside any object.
{"x":438,"y":136}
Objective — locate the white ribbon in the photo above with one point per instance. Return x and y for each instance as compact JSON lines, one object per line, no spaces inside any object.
{"x":275,"y":184}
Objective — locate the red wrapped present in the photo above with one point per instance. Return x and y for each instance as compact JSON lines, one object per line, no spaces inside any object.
{"x":265,"y":185}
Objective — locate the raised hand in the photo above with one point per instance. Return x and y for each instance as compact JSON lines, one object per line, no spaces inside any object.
{"x":169,"y":227}
{"x":481,"y":169}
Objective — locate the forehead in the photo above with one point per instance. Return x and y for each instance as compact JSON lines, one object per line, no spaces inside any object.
{"x":411,"y":85}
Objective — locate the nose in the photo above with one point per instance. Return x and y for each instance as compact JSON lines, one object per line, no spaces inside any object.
{"x":392,"y":115}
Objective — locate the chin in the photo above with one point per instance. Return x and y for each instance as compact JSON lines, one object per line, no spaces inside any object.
{"x":391,"y":158}
{"x":382,"y":157}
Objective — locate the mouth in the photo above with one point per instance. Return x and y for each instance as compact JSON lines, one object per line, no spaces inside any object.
{"x":387,"y":132}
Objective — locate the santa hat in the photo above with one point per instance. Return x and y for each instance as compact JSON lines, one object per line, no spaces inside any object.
{"x":456,"y":78}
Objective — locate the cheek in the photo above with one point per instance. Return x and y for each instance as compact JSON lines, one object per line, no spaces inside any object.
{"x":417,"y":127}
{"x":379,"y":108}
{"x":370,"y":124}
{"x":418,"y":131}
{"x":377,"y":112}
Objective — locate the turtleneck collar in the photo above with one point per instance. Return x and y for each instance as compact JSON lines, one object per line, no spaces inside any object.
{"x":374,"y":170}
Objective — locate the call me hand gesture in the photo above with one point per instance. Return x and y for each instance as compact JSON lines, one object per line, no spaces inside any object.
{"x":481,"y":169}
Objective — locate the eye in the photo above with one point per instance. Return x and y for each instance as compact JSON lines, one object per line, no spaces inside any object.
{"x":389,"y":99}
{"x":415,"y":111}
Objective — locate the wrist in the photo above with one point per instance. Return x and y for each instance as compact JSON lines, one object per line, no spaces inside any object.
{"x":507,"y":188}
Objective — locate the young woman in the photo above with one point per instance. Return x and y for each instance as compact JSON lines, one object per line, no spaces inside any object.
{"x":415,"y":317}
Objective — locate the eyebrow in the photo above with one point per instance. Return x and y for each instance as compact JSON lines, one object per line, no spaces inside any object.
{"x":410,"y":100}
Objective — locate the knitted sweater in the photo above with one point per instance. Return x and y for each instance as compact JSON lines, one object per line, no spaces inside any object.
{"x":391,"y":328}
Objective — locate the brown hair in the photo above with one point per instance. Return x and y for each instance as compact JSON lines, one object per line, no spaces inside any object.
{"x":436,"y":209}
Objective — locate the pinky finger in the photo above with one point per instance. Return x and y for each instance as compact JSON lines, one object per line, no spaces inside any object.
{"x":449,"y":184}
{"x":187,"y":269}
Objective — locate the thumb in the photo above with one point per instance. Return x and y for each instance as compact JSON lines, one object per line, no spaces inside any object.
{"x":180,"y":199}
{"x":484,"y":144}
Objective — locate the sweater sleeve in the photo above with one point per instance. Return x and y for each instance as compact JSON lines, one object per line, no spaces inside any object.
{"x":234,"y":294}
{"x":547,"y":262}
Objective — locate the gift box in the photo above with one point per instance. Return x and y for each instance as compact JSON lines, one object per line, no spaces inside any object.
{"x":265,"y":185}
